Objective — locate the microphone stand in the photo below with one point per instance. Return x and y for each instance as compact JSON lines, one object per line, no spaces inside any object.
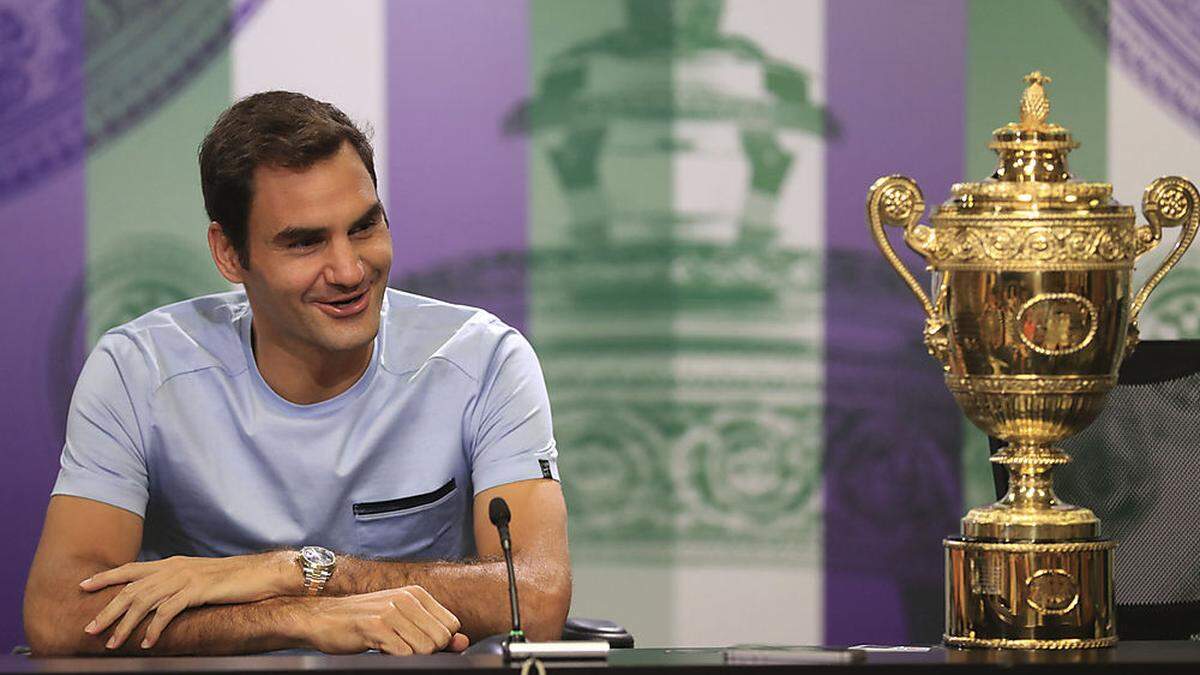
{"x":515,"y":634}
{"x":514,"y":646}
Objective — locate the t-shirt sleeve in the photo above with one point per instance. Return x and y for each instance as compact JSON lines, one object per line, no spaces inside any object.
{"x":103,"y":458}
{"x":512,"y":437}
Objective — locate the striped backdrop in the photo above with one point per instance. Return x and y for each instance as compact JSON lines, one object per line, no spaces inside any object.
{"x":667,"y":197}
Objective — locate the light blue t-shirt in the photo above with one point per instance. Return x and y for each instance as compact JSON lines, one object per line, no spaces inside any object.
{"x":171,"y":420}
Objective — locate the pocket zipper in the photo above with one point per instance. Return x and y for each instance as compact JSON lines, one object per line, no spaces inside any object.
{"x":403,"y":503}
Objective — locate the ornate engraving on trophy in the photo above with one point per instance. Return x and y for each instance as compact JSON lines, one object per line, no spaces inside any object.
{"x":1056,"y":324}
{"x":1173,"y":203}
{"x":1052,"y":591}
{"x":988,"y":576}
{"x":898,"y":203}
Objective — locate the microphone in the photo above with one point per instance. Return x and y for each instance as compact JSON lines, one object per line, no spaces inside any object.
{"x":500,"y":516}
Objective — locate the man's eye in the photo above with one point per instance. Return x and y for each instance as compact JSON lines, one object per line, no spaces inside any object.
{"x":366,"y":227}
{"x":303,"y":243}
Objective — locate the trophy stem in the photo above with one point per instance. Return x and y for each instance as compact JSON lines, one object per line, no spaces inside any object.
{"x":1030,"y":511}
{"x":1031,"y":476}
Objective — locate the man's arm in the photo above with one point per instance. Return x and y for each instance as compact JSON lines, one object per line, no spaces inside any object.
{"x":82,"y":537}
{"x":477,"y":592}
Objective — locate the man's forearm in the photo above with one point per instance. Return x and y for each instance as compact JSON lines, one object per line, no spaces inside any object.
{"x":217,"y":630}
{"x":214,"y":630}
{"x":476,"y":592}
{"x":57,"y":610}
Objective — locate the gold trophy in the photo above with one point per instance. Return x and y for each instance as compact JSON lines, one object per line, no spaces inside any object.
{"x":1032,"y":316}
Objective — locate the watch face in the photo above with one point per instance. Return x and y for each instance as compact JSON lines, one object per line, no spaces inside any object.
{"x":317,"y":556}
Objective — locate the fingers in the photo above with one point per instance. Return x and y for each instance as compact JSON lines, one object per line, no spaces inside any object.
{"x":458,"y":643}
{"x":162,"y":616}
{"x":387,"y":634}
{"x":117,"y":575}
{"x":439,"y":624}
{"x":409,"y":628}
{"x":393,"y":644}
{"x":141,"y":604}
{"x":435,"y":608}
{"x":131,"y":605}
{"x":113,"y":610}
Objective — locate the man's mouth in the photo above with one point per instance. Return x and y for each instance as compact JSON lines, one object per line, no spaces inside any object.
{"x":347,"y":305}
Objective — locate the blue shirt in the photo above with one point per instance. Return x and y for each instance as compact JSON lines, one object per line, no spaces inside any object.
{"x":172,"y":421}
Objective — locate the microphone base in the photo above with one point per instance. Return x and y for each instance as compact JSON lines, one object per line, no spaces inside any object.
{"x":495,"y":645}
{"x":580,"y":650}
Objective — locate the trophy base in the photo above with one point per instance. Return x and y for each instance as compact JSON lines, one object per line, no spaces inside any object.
{"x":1029,"y":595}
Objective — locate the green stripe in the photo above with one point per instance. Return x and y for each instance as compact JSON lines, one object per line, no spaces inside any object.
{"x":562,"y":159}
{"x":569,"y":157}
{"x":1007,"y":40}
{"x":146,"y":242}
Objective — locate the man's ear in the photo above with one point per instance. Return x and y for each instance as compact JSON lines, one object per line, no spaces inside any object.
{"x":224,"y":255}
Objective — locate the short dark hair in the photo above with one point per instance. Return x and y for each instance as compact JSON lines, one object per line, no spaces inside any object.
{"x":272,"y":128}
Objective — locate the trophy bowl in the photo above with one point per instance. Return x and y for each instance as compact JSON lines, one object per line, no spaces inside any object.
{"x":1032,"y":315}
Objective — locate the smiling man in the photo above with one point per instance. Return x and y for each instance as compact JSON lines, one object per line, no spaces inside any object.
{"x":306,"y":463}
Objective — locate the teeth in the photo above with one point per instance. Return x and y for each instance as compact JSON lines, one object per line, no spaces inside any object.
{"x":343,"y":303}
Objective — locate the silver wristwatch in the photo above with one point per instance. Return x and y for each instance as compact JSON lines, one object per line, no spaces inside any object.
{"x":318,"y":564}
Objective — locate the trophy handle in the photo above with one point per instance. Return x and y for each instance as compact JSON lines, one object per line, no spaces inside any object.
{"x":1170,"y":201}
{"x":896,"y":201}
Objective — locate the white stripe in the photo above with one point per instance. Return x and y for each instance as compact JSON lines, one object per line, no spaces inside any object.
{"x":748,"y":604}
{"x":331,"y":51}
{"x":792,"y":31}
{"x":718,"y":603}
{"x":1147,"y":138}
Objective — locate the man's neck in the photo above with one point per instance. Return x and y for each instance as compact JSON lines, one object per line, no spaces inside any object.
{"x":305,"y":376}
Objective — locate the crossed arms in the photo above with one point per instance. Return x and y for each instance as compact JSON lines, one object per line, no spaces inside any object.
{"x":85,"y":593}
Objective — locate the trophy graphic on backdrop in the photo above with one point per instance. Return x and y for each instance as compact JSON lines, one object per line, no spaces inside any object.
{"x":673,"y":311}
{"x":1032,"y":316}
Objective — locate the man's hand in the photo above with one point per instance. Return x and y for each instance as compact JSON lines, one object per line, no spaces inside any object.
{"x":401,"y":621}
{"x":167,"y":587}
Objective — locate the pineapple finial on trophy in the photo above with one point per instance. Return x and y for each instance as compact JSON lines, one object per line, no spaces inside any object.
{"x":1035,"y":107}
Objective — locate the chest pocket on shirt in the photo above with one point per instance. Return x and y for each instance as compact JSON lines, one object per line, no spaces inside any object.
{"x":421,"y":526}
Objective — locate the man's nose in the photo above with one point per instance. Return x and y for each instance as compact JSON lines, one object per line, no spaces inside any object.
{"x":345,"y":266}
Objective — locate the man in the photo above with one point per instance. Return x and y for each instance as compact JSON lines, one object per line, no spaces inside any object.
{"x":218,"y":438}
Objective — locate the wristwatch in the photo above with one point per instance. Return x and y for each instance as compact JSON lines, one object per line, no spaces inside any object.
{"x":318,"y":564}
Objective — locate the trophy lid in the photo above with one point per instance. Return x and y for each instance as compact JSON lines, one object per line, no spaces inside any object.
{"x":1032,"y":171}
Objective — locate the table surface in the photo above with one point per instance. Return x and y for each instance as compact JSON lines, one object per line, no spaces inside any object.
{"x":1131,"y":657}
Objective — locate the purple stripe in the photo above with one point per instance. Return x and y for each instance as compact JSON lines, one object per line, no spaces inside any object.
{"x":43,"y":257}
{"x":896,"y":99}
{"x":457,"y":182}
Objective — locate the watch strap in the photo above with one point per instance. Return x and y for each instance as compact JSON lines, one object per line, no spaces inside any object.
{"x":315,"y":579}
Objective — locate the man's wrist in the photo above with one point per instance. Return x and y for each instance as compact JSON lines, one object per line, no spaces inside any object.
{"x":296,"y":621}
{"x":286,"y":576}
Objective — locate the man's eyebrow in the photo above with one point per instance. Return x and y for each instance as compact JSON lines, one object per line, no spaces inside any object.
{"x":372,"y":214}
{"x":294,"y":233}
{"x":297,"y":233}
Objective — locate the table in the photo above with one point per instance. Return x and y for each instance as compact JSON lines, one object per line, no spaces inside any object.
{"x":1127,"y":657}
